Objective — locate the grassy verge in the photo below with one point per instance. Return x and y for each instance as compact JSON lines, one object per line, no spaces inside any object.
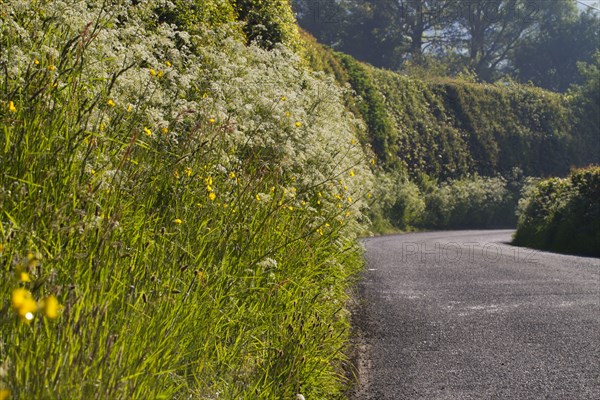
{"x":177,"y":211}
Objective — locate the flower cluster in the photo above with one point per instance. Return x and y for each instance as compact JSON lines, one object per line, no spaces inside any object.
{"x":26,"y":306}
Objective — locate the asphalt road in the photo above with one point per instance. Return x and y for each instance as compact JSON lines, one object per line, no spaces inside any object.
{"x":465,"y":315}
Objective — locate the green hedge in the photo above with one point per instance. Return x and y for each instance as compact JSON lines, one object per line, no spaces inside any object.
{"x":562,"y":214}
{"x":449,"y":128}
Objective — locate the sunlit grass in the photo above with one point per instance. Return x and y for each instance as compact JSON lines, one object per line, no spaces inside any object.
{"x":136,"y":261}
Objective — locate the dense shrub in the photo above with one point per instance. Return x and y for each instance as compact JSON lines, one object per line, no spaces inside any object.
{"x":472,"y":202}
{"x":268,"y":22}
{"x":398,"y":203}
{"x":562,"y":214}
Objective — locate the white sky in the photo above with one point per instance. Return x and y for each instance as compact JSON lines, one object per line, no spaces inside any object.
{"x":593,"y":3}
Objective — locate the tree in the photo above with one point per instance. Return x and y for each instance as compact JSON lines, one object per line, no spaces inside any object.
{"x":486,"y":32}
{"x":535,"y":40}
{"x":382,"y":32}
{"x":564,"y":37}
{"x":586,"y":107}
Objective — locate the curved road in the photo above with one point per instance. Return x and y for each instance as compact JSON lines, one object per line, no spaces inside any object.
{"x":465,"y":315}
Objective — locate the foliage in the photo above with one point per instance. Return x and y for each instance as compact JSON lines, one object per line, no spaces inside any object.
{"x":321,"y":58}
{"x":472,"y":202}
{"x":264,"y":22}
{"x":549,"y":56}
{"x":469,"y":202}
{"x":192,"y":15}
{"x":268,"y":22}
{"x":372,"y":108}
{"x":445,"y":128}
{"x":562,"y":214}
{"x":585,"y":102}
{"x":525,"y":39}
{"x":449,"y":128}
{"x":190,"y":202}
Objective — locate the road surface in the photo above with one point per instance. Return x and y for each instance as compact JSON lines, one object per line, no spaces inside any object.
{"x":465,"y":315}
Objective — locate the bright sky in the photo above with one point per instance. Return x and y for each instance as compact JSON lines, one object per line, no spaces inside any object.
{"x":592,"y":3}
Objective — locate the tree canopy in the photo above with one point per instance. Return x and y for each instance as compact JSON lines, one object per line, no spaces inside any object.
{"x":537,"y":41}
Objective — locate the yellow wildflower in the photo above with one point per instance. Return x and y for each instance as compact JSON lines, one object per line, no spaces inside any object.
{"x":23,"y":303}
{"x":22,"y":274}
{"x":283,"y":98}
{"x":188,"y":171}
{"x":288,"y":114}
{"x":208,"y":181}
{"x":352,"y":173}
{"x":258,"y":197}
{"x":298,"y":124}
{"x":232,"y":175}
{"x":320,"y":230}
{"x":165,"y":130}
{"x":11,"y":107}
{"x":160,"y":73}
{"x":147,"y":131}
{"x":349,"y":199}
{"x":211,"y":120}
{"x":36,"y":61}
{"x":129,"y":108}
{"x":4,"y":394}
{"x":152,"y":72}
{"x":177,"y":221}
{"x":110,"y":103}
{"x":372,"y":161}
{"x":353,"y":142}
{"x":51,"y":68}
{"x":50,"y":307}
{"x":176,"y":174}
{"x":19,"y":296}
{"x":369,"y":195}
{"x":168,"y":64}
{"x":212,"y":196}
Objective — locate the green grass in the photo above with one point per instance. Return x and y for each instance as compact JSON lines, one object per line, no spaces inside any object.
{"x":188,"y":263}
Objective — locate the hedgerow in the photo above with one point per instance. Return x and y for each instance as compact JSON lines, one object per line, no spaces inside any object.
{"x":453,"y":129}
{"x":562,"y":214}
